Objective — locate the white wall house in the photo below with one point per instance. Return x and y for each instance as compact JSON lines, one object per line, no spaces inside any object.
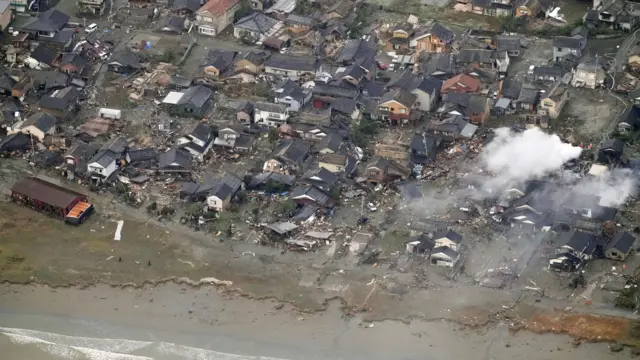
{"x":269,"y":114}
{"x":102,"y":165}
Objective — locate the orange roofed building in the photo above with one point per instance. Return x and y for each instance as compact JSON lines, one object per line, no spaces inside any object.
{"x":461,"y":84}
{"x":214,"y":16}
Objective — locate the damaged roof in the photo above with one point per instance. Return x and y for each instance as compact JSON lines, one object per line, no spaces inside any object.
{"x":196,"y":95}
{"x":257,"y":23}
{"x":293,"y":151}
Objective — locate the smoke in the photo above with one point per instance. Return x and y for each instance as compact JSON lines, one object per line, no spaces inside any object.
{"x":532,"y":154}
{"x":512,"y":159}
{"x":613,"y":187}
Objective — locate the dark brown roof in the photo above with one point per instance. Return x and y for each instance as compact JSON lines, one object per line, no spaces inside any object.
{"x":45,"y":191}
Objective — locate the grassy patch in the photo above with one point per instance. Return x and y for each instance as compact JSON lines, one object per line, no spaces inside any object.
{"x":393,"y":241}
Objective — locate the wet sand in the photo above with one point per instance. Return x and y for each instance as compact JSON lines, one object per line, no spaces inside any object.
{"x":212,"y":324}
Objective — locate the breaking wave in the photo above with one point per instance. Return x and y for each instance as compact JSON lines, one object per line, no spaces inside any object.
{"x":86,"y":348}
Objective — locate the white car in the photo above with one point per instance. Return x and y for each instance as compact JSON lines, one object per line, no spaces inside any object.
{"x":372,"y":207}
{"x":91,"y":28}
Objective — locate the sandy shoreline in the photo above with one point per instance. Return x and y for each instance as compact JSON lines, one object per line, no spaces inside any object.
{"x":203,"y":318}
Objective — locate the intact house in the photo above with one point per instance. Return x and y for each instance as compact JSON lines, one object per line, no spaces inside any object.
{"x":426,"y":89}
{"x":293,"y":67}
{"x":224,"y":191}
{"x":218,"y":61}
{"x":195,"y":102}
{"x":553,"y":101}
{"x":547,"y":73}
{"x":462,"y":83}
{"x":437,"y":39}
{"x":215,"y":15}
{"x":510,"y":44}
{"x":124,"y":62}
{"x":185,"y":7}
{"x":444,"y":256}
{"x":256,"y":27}
{"x":6,"y":14}
{"x":619,"y":246}
{"x":565,"y":45}
{"x":528,"y":98}
{"x":384,"y":170}
{"x":270,"y":114}
{"x":197,"y":140}
{"x":577,"y":243}
{"x":107,"y":160}
{"x":288,"y":157}
{"x":630,"y":120}
{"x":60,"y":103}
{"x":39,"y":125}
{"x":50,"y":29}
{"x":399,"y":40}
{"x":396,"y":106}
{"x":292,"y":95}
{"x":588,"y":74}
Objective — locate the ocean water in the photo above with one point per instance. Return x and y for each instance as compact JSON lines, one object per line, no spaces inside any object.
{"x":18,"y":344}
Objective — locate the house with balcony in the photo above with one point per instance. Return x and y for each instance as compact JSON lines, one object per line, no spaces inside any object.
{"x":270,"y":114}
{"x":292,"y":95}
{"x":396,"y":106}
{"x":215,"y":15}
{"x":197,"y":139}
{"x":553,"y":101}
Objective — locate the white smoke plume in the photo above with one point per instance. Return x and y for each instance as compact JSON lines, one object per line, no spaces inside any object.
{"x":532,"y":154}
{"x":613,"y":187}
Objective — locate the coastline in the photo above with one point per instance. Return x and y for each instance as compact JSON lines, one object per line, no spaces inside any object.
{"x":207,"y":319}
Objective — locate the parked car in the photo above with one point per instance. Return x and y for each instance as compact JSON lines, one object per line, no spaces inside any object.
{"x":371,"y":207}
{"x":91,"y":28}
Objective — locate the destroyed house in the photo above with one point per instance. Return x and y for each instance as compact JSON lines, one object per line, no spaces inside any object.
{"x":610,"y":151}
{"x":630,"y":119}
{"x":124,"y":62}
{"x":451,"y":128}
{"x":141,"y":156}
{"x":313,"y":195}
{"x":218,"y":61}
{"x":322,"y":178}
{"x":356,"y":50}
{"x":271,"y":182}
{"x":385,"y":170}
{"x":289,"y":156}
{"x":197,"y":140}
{"x":175,"y":161}
{"x":39,"y":125}
{"x":583,"y":212}
{"x":531,"y":211}
{"x":226,"y":188}
{"x":424,"y":148}
{"x":577,"y":243}
{"x":60,"y":103}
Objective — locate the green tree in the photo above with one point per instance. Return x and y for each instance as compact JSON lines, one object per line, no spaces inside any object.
{"x":334,"y":192}
{"x":274,"y":136}
{"x":274,"y":187}
{"x":288,"y":207}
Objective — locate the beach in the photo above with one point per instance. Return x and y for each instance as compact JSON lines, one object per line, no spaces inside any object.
{"x":173,"y":322}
